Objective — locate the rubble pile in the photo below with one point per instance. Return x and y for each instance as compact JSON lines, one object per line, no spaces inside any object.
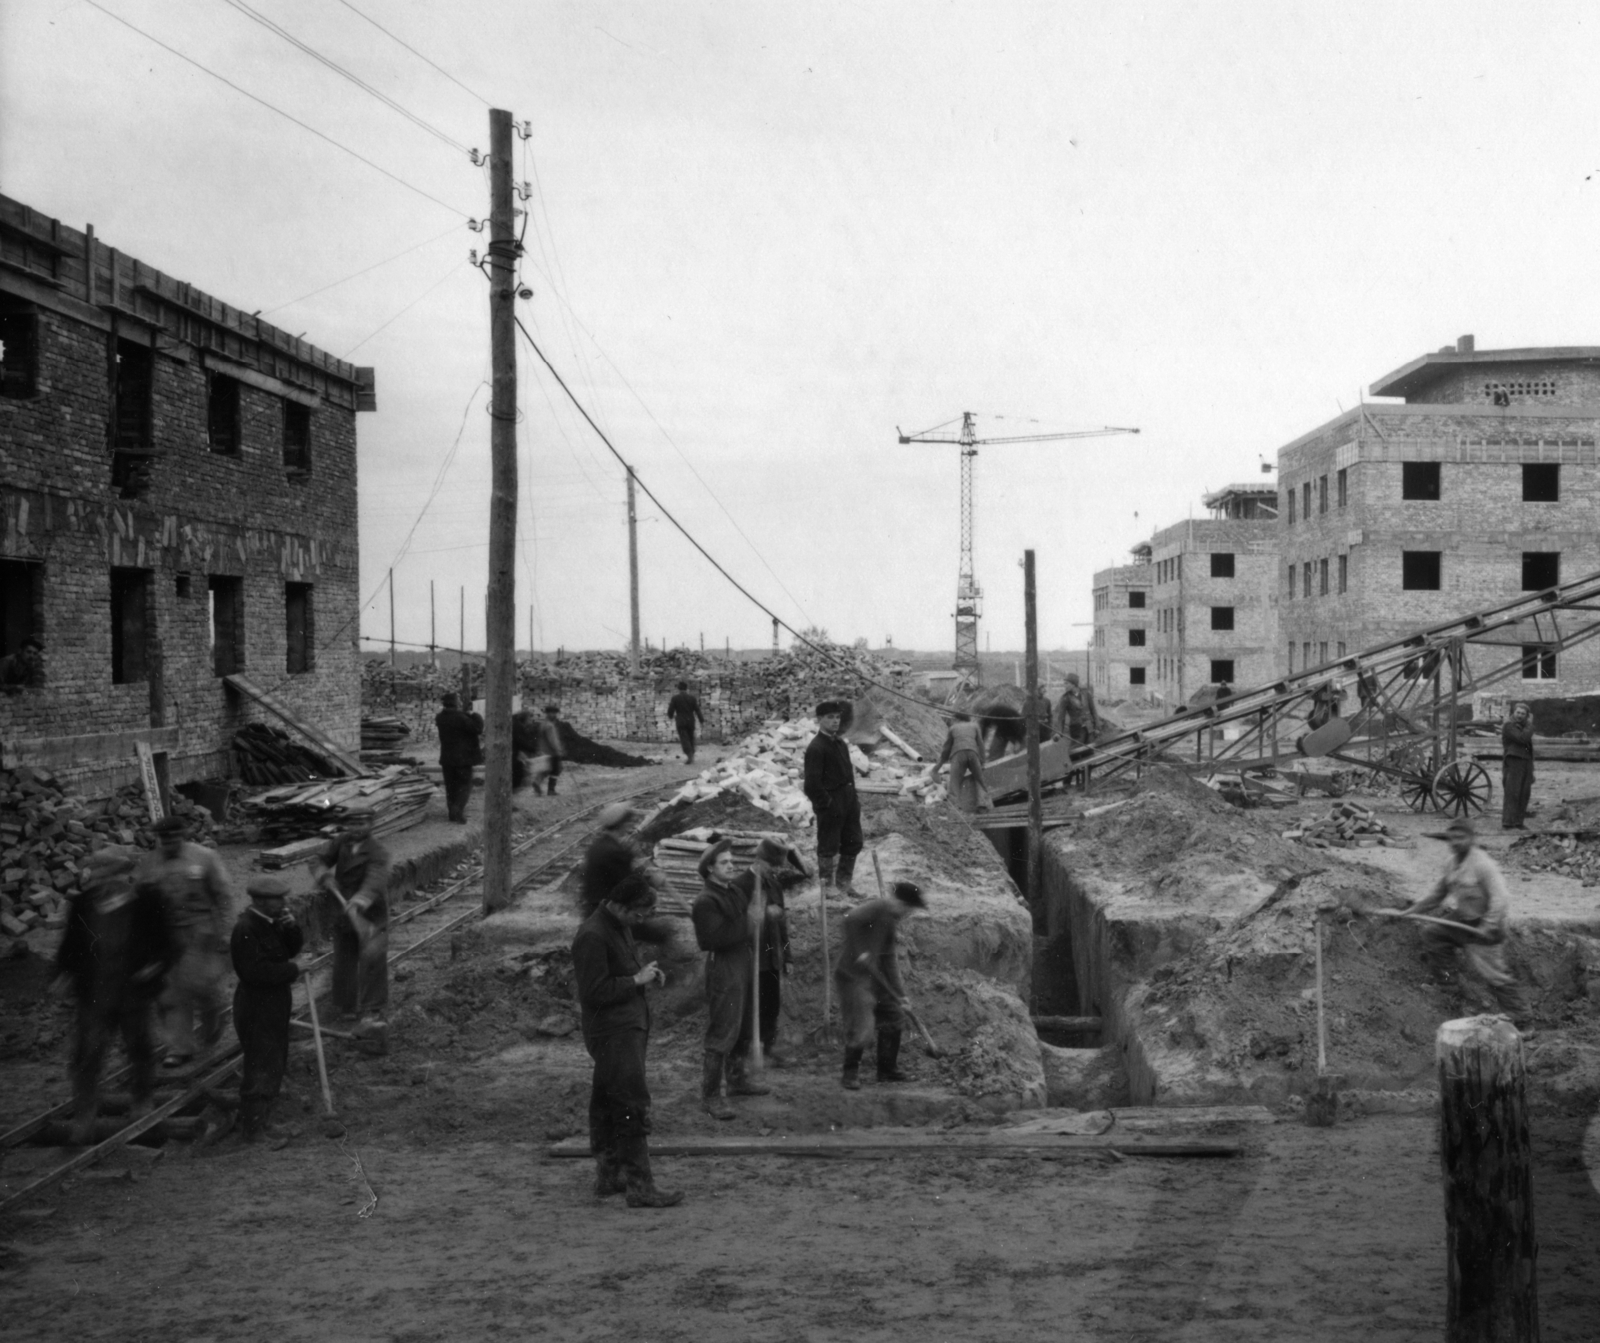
{"x":46,"y":834}
{"x":267,"y":755}
{"x":1576,"y":856}
{"x":767,"y":768}
{"x":1348,"y":825}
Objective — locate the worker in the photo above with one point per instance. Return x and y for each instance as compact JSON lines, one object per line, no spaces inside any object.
{"x":266,"y":939}
{"x":1077,"y":715}
{"x":352,"y":870}
{"x":549,"y":752}
{"x":610,"y":856}
{"x":23,"y":668}
{"x":778,"y":867}
{"x":684,"y":711}
{"x":1471,"y":893}
{"x":116,"y":953}
{"x":1516,"y":767}
{"x":830,"y":784}
{"x":611,"y":980}
{"x":963,"y":750}
{"x":194,"y":886}
{"x":460,"y":748}
{"x":867,"y":975}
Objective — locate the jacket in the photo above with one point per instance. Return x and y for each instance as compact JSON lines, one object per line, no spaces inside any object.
{"x":196,"y":890}
{"x":1516,"y":742}
{"x":460,"y":738}
{"x":869,"y":929}
{"x":361,"y":871}
{"x":684,"y":709}
{"x":604,"y":960}
{"x":830,"y":778}
{"x":263,"y":952}
{"x":116,"y":932}
{"x":1472,"y":891}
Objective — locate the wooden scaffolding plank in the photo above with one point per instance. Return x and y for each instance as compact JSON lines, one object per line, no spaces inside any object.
{"x":267,"y":700}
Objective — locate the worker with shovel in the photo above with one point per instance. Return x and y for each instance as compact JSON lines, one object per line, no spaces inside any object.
{"x":867,"y":975}
{"x":728,"y":925}
{"x":266,"y":939}
{"x":354,"y":875}
{"x":1467,"y":911}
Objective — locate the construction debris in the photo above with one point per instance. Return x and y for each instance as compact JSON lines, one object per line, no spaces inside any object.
{"x":398,"y":797}
{"x":267,"y":755}
{"x":1348,"y":826}
{"x":1574,"y":854}
{"x":383,"y":741}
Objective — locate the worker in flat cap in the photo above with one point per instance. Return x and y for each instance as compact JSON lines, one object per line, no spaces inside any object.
{"x":611,"y":855}
{"x":728,"y":928}
{"x":867,"y":975}
{"x":830,"y":784}
{"x":194,"y":885}
{"x":1516,"y":771}
{"x":266,"y":939}
{"x":117,"y":951}
{"x":352,"y":871}
{"x":1472,"y":898}
{"x":460,"y":748}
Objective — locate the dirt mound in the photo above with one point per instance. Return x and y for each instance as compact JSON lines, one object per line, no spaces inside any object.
{"x":582,"y":751}
{"x":725,"y":811}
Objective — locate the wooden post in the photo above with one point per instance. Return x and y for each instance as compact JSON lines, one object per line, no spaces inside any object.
{"x":1322,"y":1104}
{"x":633,"y":576}
{"x":433,"y":629}
{"x":1491,"y":1255}
{"x":391,"y":630}
{"x":1031,"y":725}
{"x":500,"y":610}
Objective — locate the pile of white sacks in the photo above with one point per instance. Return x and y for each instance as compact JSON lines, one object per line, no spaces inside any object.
{"x":768,"y":768}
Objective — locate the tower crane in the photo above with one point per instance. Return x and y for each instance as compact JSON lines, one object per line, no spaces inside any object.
{"x":969,"y":596}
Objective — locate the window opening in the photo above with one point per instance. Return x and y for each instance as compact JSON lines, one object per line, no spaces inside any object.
{"x":1419,"y":480}
{"x":21,"y":616}
{"x":1221,"y":669}
{"x":1540,"y":569}
{"x":130,"y":613}
{"x":1538,"y":662}
{"x":1135,"y":675}
{"x":19,"y":352}
{"x":1322,"y":578}
{"x":1221,"y":617}
{"x":1136,"y":600}
{"x":226,"y":597}
{"x":1322,"y":494}
{"x":1221,"y":566}
{"x":1135,"y":637}
{"x":1344,"y":486}
{"x":296,"y":439}
{"x":1344,"y":573}
{"x":1420,"y":570}
{"x":222,"y":413}
{"x":299,"y":622}
{"x":1541,"y":482}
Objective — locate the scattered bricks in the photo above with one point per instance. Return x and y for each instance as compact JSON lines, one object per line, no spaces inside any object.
{"x":12,"y":925}
{"x":14,"y":875}
{"x":40,"y":899}
{"x":27,"y":919}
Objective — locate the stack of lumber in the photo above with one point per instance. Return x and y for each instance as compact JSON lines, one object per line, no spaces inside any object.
{"x":383,"y":741}
{"x":294,"y":820}
{"x":46,"y":834}
{"x":266,"y":754}
{"x":1348,"y":826}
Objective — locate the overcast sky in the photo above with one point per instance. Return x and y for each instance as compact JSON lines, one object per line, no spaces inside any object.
{"x":762,"y":236}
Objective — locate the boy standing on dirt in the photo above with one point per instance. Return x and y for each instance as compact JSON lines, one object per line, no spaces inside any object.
{"x":265,"y":941}
{"x":867,"y":975}
{"x":830,"y":785}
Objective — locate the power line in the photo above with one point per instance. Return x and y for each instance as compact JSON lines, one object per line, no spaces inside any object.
{"x":288,"y":116}
{"x":415,"y":52}
{"x":403,"y":311}
{"x":358,"y":274}
{"x":278,"y":30}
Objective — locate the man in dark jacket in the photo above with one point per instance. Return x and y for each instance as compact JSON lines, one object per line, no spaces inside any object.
{"x":611,"y":980}
{"x":117,"y":951}
{"x":867,"y":975}
{"x":684,"y":711}
{"x":354,"y":877}
{"x":1516,"y":777}
{"x":830,"y":784}
{"x":265,"y":941}
{"x":727,"y":922}
{"x":460,"y":748}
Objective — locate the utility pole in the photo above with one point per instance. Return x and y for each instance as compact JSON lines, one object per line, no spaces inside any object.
{"x":461,"y":654}
{"x":433,"y":630}
{"x":633,"y":575}
{"x":500,"y":609}
{"x":391,"y":620}
{"x":1031,"y":723}
{"x":774,"y":636}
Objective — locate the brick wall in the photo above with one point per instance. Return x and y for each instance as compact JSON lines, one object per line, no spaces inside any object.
{"x":1112,"y":655}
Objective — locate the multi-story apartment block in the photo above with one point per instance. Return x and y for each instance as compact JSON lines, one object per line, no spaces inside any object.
{"x":1119,"y":657}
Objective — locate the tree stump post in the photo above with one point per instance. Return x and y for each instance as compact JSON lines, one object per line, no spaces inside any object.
{"x":1490,"y":1251}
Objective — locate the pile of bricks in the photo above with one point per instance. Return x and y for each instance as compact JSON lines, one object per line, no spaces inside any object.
{"x":46,"y":834}
{"x":1348,"y":826}
{"x":1571,"y":855}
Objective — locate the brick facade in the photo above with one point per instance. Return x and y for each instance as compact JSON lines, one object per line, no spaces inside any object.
{"x":169,"y":515}
{"x":1118,"y":667}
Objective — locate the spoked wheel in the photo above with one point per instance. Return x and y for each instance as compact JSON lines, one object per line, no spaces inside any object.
{"x":1416,"y":791}
{"x":1462,"y":788}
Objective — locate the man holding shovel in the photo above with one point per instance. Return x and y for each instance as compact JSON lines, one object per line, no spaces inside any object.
{"x":1467,"y":911}
{"x":867,"y":975}
{"x":265,"y":941}
{"x":354,"y":876}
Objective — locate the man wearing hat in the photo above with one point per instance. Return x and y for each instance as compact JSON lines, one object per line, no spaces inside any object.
{"x":684,"y":711}
{"x":610,"y":856}
{"x":265,"y":941}
{"x":867,"y":975}
{"x":1472,"y":894}
{"x":117,"y":950}
{"x":460,"y":748}
{"x":354,"y":875}
{"x":830,"y":784}
{"x":194,"y":886}
{"x":23,"y":668}
{"x":1516,"y":776}
{"x":611,"y":979}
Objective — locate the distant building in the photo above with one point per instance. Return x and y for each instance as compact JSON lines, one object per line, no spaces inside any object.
{"x":1120,"y":656}
{"x":1479,"y":485}
{"x":1215,"y":610}
{"x":177,"y":506}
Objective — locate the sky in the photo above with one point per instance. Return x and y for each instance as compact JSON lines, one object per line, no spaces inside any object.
{"x":761,"y":237}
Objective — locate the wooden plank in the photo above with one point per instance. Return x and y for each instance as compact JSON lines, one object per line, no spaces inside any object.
{"x":147,"y":777}
{"x":349,"y":763}
{"x":876,"y":1146}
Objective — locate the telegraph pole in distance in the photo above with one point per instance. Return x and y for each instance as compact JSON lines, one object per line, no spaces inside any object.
{"x":500,"y":607}
{"x":633,"y":574}
{"x":1031,"y":722}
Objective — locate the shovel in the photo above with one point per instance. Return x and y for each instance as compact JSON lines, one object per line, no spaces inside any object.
{"x":331,"y":1127}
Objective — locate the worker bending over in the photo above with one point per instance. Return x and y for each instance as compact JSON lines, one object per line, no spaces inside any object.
{"x":867,"y":975}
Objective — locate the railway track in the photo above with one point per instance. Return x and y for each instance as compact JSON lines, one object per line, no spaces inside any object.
{"x":541,"y":857}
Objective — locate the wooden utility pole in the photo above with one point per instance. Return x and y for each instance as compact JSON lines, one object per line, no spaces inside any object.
{"x":1031,"y":724}
{"x":500,"y":609}
{"x":391,"y":621}
{"x":633,"y":576}
{"x":461,"y":655}
{"x":1490,"y":1251}
{"x":433,"y":629}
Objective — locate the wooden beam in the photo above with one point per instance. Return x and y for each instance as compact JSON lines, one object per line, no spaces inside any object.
{"x":867,"y":1146}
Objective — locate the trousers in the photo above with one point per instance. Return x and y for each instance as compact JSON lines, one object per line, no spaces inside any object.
{"x":619,"y":1101}
{"x":457,"y":790}
{"x":1516,"y":782}
{"x":839,"y":832}
{"x":194,"y":991}
{"x":261,"y":1018}
{"x":96,"y":1027}
{"x":967,"y":788}
{"x":1484,"y":960}
{"x":686,"y":739}
{"x":866,"y":1007}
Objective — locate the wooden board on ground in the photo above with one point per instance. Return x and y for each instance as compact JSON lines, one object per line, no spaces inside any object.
{"x":1142,"y":1119}
{"x":878,"y":1144}
{"x":267,"y":700}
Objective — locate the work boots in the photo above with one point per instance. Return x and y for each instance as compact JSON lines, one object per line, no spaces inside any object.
{"x":740,"y":1083}
{"x":825,"y":870}
{"x":608,"y":1177}
{"x":641,"y":1186}
{"x":711,"y":1087}
{"x":850,"y":1080}
{"x":889,"y":1055}
{"x":846,"y":870}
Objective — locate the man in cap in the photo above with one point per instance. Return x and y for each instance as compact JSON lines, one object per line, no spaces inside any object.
{"x":1472,"y":896}
{"x":684,"y":711}
{"x":118,"y":947}
{"x":867,"y":975}
{"x":611,"y":856}
{"x":830,"y":784}
{"x":1076,"y":715}
{"x":611,"y":979}
{"x":23,"y":668}
{"x":540,"y":738}
{"x":460,"y":748}
{"x":265,"y":941}
{"x":963,"y":749}
{"x":1516,"y":776}
{"x":353,"y":872}
{"x":194,"y":885}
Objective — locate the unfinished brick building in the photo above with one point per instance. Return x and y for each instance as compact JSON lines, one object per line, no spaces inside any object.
{"x":1478,"y":485}
{"x":177,"y":515}
{"x":1119,"y":663}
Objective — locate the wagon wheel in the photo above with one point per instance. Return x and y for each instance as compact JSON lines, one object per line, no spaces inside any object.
{"x":1416,"y":791}
{"x":1462,"y":788}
